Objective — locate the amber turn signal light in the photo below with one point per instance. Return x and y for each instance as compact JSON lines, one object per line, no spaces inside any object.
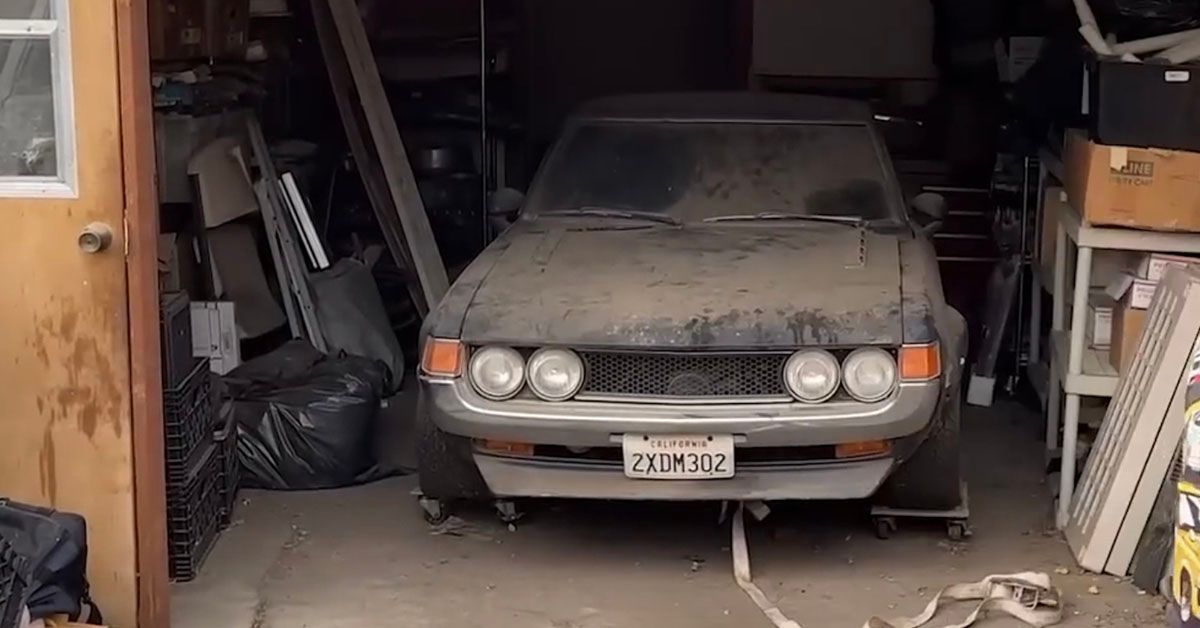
{"x":442,"y":358}
{"x":511,"y":448}
{"x":862,"y":449}
{"x":920,"y":363}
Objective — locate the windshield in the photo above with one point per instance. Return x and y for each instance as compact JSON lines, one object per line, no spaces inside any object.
{"x":694,"y":171}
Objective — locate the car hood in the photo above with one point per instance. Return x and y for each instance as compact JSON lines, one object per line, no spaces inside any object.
{"x":709,"y":287}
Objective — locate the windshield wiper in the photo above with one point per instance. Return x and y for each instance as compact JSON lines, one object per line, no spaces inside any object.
{"x":841,"y":220}
{"x":606,"y":212}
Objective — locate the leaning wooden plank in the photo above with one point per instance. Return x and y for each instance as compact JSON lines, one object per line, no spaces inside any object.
{"x":1143,"y":425}
{"x":386,"y":137}
{"x":366,"y":158}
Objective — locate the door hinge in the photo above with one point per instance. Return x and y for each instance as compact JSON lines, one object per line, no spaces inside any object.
{"x":125,"y":235}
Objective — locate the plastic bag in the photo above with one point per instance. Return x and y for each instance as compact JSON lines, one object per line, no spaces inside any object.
{"x":1135,"y":19}
{"x":353,"y":317}
{"x":305,"y":420}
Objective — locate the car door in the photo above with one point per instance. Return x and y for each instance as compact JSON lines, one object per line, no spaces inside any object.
{"x":77,"y":288}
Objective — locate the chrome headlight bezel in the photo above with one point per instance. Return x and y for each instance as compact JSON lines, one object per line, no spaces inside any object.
{"x":792,"y":375}
{"x":493,"y":355}
{"x":858,"y":357}
{"x":539,"y":360}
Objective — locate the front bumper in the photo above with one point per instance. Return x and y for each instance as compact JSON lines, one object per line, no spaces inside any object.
{"x":516,"y":477}
{"x":456,"y":409}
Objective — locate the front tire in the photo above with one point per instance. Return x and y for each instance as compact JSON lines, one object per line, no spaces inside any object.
{"x":445,"y":466}
{"x":931,"y":479}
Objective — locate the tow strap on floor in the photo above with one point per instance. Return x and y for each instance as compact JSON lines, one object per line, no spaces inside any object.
{"x":741,"y":573}
{"x":1027,"y":596}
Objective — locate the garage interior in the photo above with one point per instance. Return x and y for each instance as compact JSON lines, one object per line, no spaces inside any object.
{"x":326,"y":170}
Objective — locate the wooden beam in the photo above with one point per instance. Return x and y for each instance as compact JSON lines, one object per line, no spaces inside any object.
{"x":141,"y":268}
{"x":427,"y":261}
{"x":366,"y":158}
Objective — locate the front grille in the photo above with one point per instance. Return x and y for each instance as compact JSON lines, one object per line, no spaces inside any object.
{"x":683,"y":375}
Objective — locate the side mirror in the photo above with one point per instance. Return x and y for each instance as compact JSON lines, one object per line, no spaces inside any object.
{"x":505,"y":202}
{"x":929,"y":210}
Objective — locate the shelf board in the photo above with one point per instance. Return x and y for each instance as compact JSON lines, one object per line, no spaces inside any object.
{"x":1098,"y":379}
{"x":1120,"y":239}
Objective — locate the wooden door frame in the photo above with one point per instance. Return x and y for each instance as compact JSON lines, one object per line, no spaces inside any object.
{"x":141,"y":267}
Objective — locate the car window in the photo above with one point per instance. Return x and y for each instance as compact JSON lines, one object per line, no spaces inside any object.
{"x":698,"y":170}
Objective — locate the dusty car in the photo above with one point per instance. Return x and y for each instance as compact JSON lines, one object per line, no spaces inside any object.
{"x":706,"y":297}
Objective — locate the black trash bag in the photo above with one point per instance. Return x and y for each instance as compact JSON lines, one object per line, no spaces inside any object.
{"x":47,"y":550}
{"x":305,"y":420}
{"x":1135,"y":19}
{"x":353,"y":317}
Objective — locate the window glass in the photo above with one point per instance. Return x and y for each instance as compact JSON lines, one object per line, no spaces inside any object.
{"x":25,"y":10}
{"x":27,"y":117}
{"x":698,"y":170}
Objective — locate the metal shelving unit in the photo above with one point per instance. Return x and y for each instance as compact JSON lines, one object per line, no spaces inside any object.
{"x":1076,"y":370}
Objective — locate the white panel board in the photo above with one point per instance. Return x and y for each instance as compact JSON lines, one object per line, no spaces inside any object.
{"x":1132,"y":453}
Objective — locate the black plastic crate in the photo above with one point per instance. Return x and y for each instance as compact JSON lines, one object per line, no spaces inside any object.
{"x":231,"y":470}
{"x":175,"y":329}
{"x":194,"y":516}
{"x":188,"y":417}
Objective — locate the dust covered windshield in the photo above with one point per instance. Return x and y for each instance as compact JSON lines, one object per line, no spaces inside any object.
{"x":694,"y":171}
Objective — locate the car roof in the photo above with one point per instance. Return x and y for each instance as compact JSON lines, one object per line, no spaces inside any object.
{"x":726,"y":107}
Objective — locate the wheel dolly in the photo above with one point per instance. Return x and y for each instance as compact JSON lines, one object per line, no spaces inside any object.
{"x":884,"y":518}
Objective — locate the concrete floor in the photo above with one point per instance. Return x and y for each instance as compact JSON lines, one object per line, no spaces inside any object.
{"x":363,"y":557}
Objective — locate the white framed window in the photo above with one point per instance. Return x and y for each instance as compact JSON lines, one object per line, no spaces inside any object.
{"x":37,"y":130}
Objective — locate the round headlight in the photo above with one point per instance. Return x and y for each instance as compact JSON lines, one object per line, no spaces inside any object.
{"x":869,"y":374}
{"x":497,"y":372}
{"x":811,"y":376}
{"x":555,"y":374}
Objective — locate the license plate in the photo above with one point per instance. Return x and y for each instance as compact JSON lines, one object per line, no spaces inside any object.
{"x":678,"y":456}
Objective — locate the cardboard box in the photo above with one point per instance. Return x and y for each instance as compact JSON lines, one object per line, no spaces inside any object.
{"x":1127,"y":324}
{"x":1100,"y":318}
{"x":1144,"y":188}
{"x":181,"y":30}
{"x":1153,"y":266}
{"x":177,"y":29}
{"x":1107,"y":264}
{"x":1139,"y":293}
{"x":178,"y":264}
{"x":228,"y":24}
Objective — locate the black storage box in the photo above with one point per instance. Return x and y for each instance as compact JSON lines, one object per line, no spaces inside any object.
{"x":189,"y":416}
{"x":194,"y":514}
{"x":231,"y":471}
{"x":176,"y":330}
{"x":1144,"y":104}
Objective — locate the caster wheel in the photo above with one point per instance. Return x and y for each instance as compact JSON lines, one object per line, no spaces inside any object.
{"x":885,"y":527}
{"x":507,"y":511}
{"x":958,"y":530}
{"x":434,"y":510}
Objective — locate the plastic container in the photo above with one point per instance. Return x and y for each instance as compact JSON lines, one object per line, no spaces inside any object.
{"x":175,"y":329}
{"x":188,"y":418}
{"x":231,"y":471}
{"x":194,"y":516}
